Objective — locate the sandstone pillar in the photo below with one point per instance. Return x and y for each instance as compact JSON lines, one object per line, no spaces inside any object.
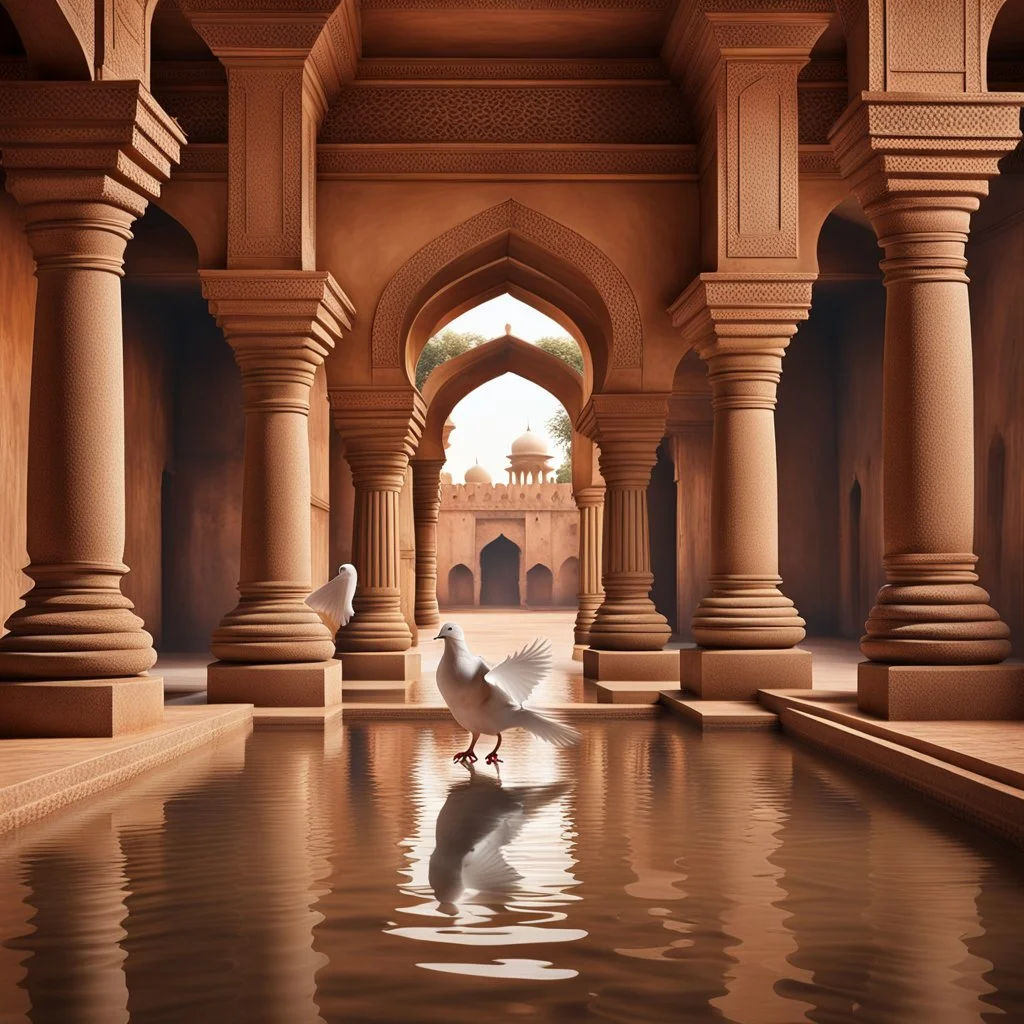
{"x":273,"y":648}
{"x":380,"y":427}
{"x":590,"y":502}
{"x":745,"y":627}
{"x":83,"y":159}
{"x":919,"y":168}
{"x":628,"y":633}
{"x":426,"y":482}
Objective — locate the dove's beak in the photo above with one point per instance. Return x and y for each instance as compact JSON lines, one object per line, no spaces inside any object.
{"x":438,"y":637}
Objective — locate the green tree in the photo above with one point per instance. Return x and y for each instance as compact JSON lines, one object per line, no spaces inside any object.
{"x":565,"y":349}
{"x":440,"y":348}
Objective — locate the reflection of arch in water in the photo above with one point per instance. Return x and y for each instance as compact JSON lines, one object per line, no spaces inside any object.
{"x":499,"y":573}
{"x":567,"y":582}
{"x":460,"y":585}
{"x":540,"y":586}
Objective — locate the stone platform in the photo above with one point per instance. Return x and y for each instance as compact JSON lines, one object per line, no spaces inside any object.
{"x":975,"y":769}
{"x":40,"y":776}
{"x":718,"y":714}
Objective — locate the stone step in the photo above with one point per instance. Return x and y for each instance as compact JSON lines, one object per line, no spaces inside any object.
{"x":376,"y":691}
{"x":625,"y":691}
{"x":718,"y":714}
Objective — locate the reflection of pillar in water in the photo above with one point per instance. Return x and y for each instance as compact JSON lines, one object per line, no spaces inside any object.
{"x":78,"y":894}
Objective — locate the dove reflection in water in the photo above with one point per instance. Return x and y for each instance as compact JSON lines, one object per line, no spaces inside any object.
{"x":478,"y":820}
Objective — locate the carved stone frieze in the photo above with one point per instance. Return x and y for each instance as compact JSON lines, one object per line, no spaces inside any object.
{"x":516,"y":69}
{"x":508,"y":114}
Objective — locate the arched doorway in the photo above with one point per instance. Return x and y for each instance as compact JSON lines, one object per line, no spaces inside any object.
{"x":540,"y":587}
{"x":499,"y":574}
{"x":567,"y":585}
{"x":460,"y":586}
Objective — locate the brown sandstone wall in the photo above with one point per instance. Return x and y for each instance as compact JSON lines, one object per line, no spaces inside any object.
{"x":203,"y":503}
{"x":148,"y":383}
{"x":320,"y":479}
{"x":661,"y":518}
{"x":692,"y":448}
{"x":806,"y":435}
{"x":17,"y":310}
{"x":343,"y":503}
{"x":997,"y":312}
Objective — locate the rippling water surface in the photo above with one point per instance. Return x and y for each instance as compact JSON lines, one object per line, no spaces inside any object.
{"x":649,"y":874}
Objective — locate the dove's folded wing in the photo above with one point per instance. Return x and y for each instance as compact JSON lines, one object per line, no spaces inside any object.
{"x":519,"y":674}
{"x":333,"y":602}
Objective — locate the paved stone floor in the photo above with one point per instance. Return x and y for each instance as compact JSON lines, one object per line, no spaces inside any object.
{"x":493,"y":634}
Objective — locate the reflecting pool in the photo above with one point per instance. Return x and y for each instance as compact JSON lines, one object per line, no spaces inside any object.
{"x":649,"y":874}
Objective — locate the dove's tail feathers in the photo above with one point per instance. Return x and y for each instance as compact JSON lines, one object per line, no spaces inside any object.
{"x":333,"y":602}
{"x":550,"y":730}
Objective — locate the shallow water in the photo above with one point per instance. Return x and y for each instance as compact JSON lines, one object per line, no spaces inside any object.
{"x":649,"y":874}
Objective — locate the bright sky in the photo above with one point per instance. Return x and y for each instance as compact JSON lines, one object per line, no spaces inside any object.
{"x":489,"y":419}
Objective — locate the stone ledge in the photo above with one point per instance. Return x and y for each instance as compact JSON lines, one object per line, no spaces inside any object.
{"x":376,"y":691}
{"x":733,"y":674}
{"x":80,"y":708}
{"x":628,"y":692}
{"x":718,"y":714}
{"x":41,"y":776}
{"x":438,"y":712}
{"x":974,"y":797}
{"x":301,"y":685}
{"x":298,"y":718}
{"x":371,"y":667}
{"x":941,"y":692}
{"x":631,"y":666}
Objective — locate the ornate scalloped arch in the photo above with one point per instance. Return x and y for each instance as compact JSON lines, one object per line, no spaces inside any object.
{"x":394,"y":310}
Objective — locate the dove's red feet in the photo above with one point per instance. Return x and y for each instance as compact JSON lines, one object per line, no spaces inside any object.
{"x":466,"y":755}
{"x":493,"y":758}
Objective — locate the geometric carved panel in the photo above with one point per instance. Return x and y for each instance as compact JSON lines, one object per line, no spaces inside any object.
{"x":762,"y":159}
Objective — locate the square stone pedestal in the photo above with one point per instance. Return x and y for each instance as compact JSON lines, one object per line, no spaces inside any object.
{"x":315,"y":684}
{"x":381,"y":665}
{"x":631,"y":666}
{"x":714,"y":674}
{"x":80,"y":707}
{"x":941,"y":692}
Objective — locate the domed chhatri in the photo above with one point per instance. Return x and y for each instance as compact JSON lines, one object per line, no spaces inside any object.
{"x":529,"y":444}
{"x":476,"y":474}
{"x":529,"y":461}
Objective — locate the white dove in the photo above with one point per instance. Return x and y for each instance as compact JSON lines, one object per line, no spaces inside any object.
{"x":490,"y":700}
{"x":479,"y":818}
{"x":333,"y":601}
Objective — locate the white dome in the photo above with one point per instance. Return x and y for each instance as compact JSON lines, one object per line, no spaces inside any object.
{"x":478,"y":475}
{"x":529,"y":444}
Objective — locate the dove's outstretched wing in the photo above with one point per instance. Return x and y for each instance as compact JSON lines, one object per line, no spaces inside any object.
{"x":333,"y":601}
{"x":486,"y":870}
{"x":519,"y":674}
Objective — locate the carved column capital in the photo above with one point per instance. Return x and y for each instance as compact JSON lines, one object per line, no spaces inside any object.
{"x":628,"y":428}
{"x":281,"y":325}
{"x":589,"y":497}
{"x":426,"y":488}
{"x":892,"y":147}
{"x":741,"y":325}
{"x":381,"y":428}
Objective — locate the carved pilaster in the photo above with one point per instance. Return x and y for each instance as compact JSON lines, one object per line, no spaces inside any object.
{"x":919,"y":167}
{"x":426,"y":483}
{"x":741,"y":326}
{"x":628,"y":428}
{"x":83,"y":159}
{"x":281,"y":325}
{"x":381,"y":428}
{"x":590,"y":502}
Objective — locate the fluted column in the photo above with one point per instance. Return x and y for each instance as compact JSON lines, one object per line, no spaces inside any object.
{"x":426,"y":483}
{"x":628,"y":633}
{"x":273,"y":648}
{"x":590,"y":502}
{"x":83,"y":159}
{"x":741,"y":326}
{"x":381,"y":428}
{"x":919,"y":191}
